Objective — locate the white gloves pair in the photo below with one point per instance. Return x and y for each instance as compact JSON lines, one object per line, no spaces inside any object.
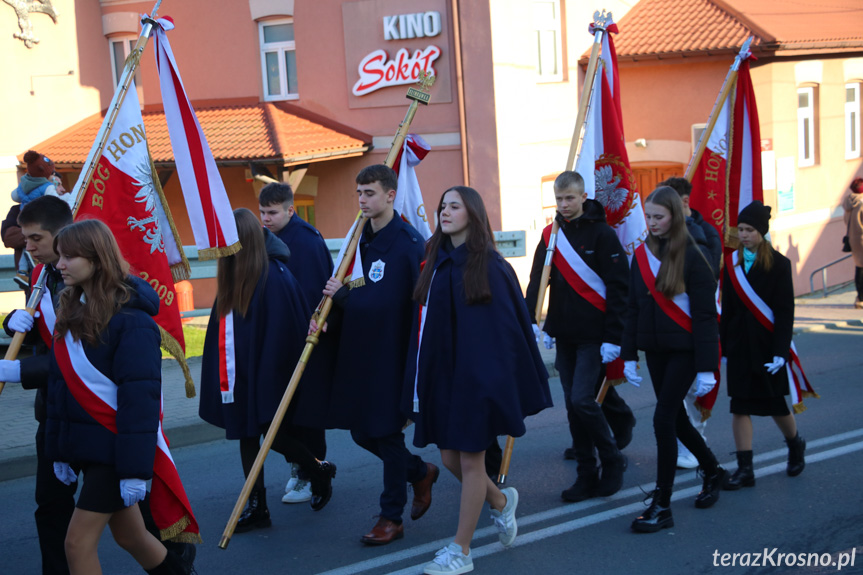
{"x":131,"y":490}
{"x":10,"y":370}
{"x":63,"y":472}
{"x":774,"y":367}
{"x":21,"y":321}
{"x":705,"y":380}
{"x":547,"y":340}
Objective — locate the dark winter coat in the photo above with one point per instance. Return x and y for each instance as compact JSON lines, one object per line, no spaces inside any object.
{"x":480,"y":372}
{"x":268,"y":341}
{"x":647,"y":327}
{"x":370,"y":329}
{"x":712,"y":241}
{"x":129,"y":356}
{"x":570,"y":317}
{"x":746,"y":343}
{"x":310,"y":260}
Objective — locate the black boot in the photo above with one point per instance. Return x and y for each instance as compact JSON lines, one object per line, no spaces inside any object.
{"x":658,"y":514}
{"x":322,"y":484}
{"x":584,"y":487}
{"x":796,"y":463}
{"x":713,"y":481}
{"x":612,"y":475}
{"x":744,"y":476}
{"x":171,"y":565}
{"x":256,"y":514}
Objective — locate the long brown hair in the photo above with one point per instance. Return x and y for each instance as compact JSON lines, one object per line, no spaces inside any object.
{"x":238,"y":274}
{"x":669,"y":279}
{"x":107,"y":289}
{"x":479,"y":240}
{"x":763,"y":254}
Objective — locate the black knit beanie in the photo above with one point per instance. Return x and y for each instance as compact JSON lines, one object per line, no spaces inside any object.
{"x":756,"y":215}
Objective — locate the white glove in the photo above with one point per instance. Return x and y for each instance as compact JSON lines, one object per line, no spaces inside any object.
{"x":609,"y":352}
{"x":10,"y":370}
{"x":704,"y":381}
{"x":21,"y":321}
{"x":63,"y":472}
{"x":547,"y":341}
{"x":536,"y":332}
{"x":777,"y":364}
{"x":133,"y":490}
{"x":630,"y":372}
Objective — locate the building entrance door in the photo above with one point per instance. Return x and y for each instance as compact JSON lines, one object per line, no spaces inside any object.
{"x":647,"y":175}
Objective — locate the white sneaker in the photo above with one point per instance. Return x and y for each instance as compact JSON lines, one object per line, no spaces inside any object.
{"x":685,"y":459}
{"x":449,"y":561}
{"x":301,"y":492}
{"x":293,"y":480}
{"x":505,"y":520}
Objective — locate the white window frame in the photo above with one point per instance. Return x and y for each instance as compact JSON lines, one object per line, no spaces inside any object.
{"x":128,"y":42}
{"x":281,"y":48}
{"x":806,"y":116}
{"x":555,"y":25}
{"x":852,"y":122}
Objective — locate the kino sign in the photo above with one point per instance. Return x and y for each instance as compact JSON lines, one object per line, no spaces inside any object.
{"x":377,"y":71}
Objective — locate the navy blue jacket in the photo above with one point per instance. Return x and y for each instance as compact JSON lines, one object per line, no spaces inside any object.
{"x":371,"y":331}
{"x":129,"y":356}
{"x":268,"y":342}
{"x":480,"y":372}
{"x":310,"y":261}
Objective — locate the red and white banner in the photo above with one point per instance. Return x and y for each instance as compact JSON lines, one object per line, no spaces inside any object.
{"x":709,"y":182}
{"x":47,"y":318}
{"x":207,"y":201}
{"x":603,"y":161}
{"x":97,"y":394}
{"x":227,"y":358}
{"x":409,"y":199}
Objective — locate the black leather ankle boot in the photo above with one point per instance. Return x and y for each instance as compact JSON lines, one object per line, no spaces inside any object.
{"x":322,"y":484}
{"x":744,"y":476}
{"x":710,"y":490}
{"x":256,"y":514}
{"x":658,"y":514}
{"x":796,"y":463}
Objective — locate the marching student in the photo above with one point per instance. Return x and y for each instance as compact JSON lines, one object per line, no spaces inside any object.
{"x":104,"y":406}
{"x":474,"y":371}
{"x":672,"y":317}
{"x":755,"y":331}
{"x":312,"y":266}
{"x":40,"y":220}
{"x":256,"y":333}
{"x":371,"y":324}
{"x":589,"y":283}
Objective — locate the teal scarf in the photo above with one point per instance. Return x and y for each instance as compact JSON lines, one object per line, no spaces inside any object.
{"x":748,"y":259}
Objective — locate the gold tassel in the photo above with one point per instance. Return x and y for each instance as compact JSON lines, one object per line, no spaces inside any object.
{"x":705,"y":413}
{"x":172,"y":346}
{"x":180,"y":270}
{"x":618,"y":381}
{"x":176,"y":532}
{"x":798,"y":407}
{"x":359,"y":282}
{"x":216,"y":253}
{"x":810,"y":394}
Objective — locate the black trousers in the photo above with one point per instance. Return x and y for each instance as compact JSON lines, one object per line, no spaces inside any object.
{"x":672,"y":375}
{"x":858,"y":282}
{"x":55,"y":504}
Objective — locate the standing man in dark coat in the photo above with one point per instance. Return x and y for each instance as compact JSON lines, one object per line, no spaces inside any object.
{"x":587,"y":325}
{"x":366,"y":387}
{"x":312,"y":265}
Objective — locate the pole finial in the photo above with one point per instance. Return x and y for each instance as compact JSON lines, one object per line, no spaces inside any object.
{"x":602,"y":19}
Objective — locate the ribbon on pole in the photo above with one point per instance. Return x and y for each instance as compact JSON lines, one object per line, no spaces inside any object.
{"x":409,"y":199}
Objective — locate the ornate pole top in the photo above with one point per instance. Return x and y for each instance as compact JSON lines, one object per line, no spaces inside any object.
{"x":602,"y":19}
{"x":421,"y":95}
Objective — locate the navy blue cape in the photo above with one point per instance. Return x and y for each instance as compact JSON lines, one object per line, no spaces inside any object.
{"x":310,"y":260}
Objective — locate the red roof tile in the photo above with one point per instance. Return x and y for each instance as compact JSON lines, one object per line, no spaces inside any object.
{"x":265,"y":131}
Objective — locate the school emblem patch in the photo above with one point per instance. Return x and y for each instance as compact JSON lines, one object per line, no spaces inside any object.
{"x":376,"y":274}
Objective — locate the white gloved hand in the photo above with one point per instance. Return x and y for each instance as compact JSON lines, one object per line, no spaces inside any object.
{"x":10,"y":370}
{"x":609,"y":352}
{"x":536,"y":332}
{"x":704,"y":381}
{"x":64,"y":473}
{"x":547,"y":341}
{"x":777,"y":364}
{"x":21,"y":321}
{"x":630,"y":372}
{"x":133,"y":490}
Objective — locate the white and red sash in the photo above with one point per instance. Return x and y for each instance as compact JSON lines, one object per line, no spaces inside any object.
{"x":677,"y":308}
{"x":800,"y":386}
{"x":47,"y":316}
{"x":575,"y":271}
{"x":98,"y":396}
{"x":227,"y":358}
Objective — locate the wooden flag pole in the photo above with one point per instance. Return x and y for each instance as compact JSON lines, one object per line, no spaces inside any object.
{"x":727,"y":85}
{"x":417,"y":96}
{"x":32,"y":303}
{"x":601,"y":20}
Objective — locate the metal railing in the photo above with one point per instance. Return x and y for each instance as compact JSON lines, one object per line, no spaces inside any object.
{"x":823,"y":270}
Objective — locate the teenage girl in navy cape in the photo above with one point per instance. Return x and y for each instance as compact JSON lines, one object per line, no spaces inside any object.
{"x":757,"y":377}
{"x":264,"y":302}
{"x":672,"y":317}
{"x":474,"y":370}
{"x":104,"y":409}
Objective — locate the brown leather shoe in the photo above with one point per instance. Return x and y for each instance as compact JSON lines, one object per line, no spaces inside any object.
{"x":384,"y":531}
{"x":423,"y":491}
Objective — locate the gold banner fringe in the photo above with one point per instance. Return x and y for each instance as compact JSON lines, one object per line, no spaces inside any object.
{"x":216,"y":253}
{"x":357,"y":283}
{"x":812,"y":394}
{"x":705,"y":413}
{"x":180,"y":270}
{"x":172,"y":346}
{"x":175,"y":532}
{"x":618,"y":381}
{"x":798,"y":407}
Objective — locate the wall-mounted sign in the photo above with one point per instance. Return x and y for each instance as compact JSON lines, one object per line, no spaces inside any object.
{"x":376,"y":71}
{"x":406,"y":26}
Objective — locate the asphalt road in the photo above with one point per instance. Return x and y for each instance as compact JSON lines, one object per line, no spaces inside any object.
{"x":817,"y":514}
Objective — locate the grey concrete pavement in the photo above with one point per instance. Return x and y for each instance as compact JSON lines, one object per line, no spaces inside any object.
{"x":183,"y":426}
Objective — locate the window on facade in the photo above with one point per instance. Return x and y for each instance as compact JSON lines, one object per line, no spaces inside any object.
{"x":852,"y":121}
{"x":806,"y":127}
{"x":278,"y":59}
{"x":121,"y":47}
{"x":549,"y":44}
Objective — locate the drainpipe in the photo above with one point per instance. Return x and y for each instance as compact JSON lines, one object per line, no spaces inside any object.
{"x":459,"y":80}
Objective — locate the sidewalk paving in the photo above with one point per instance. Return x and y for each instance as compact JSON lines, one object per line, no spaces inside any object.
{"x":183,"y":426}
